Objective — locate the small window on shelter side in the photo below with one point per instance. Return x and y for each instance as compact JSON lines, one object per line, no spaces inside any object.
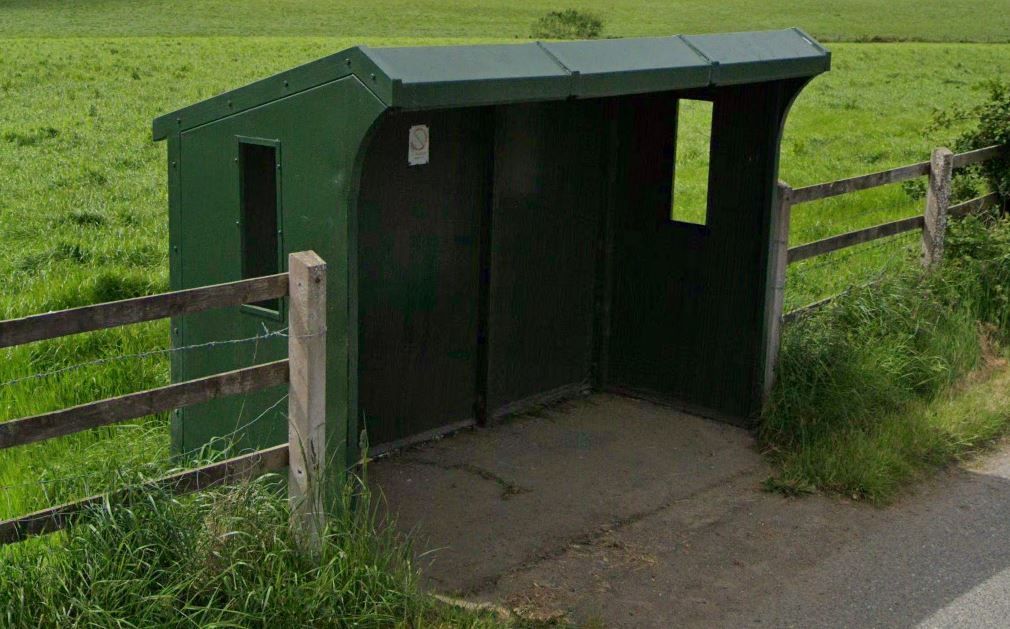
{"x":694,"y":139}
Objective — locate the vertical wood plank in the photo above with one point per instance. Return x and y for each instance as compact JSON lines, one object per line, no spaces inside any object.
{"x":307,"y":397}
{"x":780,"y":263}
{"x":941,"y":168}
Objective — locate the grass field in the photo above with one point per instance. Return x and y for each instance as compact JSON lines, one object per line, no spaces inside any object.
{"x":83,"y":214}
{"x":845,"y":20}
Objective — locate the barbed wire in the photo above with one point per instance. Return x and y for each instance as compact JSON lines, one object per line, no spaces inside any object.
{"x":876,"y":279}
{"x":159,"y":465}
{"x":245,"y":396}
{"x":164,"y":463}
{"x":154,"y":352}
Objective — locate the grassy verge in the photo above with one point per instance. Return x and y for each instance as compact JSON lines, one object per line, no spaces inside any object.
{"x":224,"y":558}
{"x":873,"y":390}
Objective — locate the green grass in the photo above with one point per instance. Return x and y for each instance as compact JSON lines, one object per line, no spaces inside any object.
{"x":874,"y":391}
{"x":224,"y":558}
{"x":877,"y":463}
{"x":849,"y":20}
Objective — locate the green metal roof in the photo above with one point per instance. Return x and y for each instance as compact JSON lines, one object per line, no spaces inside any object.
{"x":457,"y":76}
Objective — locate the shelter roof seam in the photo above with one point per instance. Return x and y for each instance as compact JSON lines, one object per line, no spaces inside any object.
{"x":713,"y":65}
{"x":554,"y":58}
{"x":697,"y":50}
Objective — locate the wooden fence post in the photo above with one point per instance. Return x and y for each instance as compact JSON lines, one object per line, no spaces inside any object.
{"x":941,"y":168}
{"x":307,"y":397}
{"x":779,"y":263}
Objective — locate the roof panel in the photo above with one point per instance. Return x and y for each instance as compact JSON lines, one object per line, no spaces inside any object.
{"x":623,"y":66}
{"x":760,"y":56}
{"x":438,"y":76}
{"x":459,"y":76}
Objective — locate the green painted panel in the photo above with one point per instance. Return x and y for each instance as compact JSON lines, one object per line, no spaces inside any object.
{"x":319,"y":132}
{"x":282,"y":85}
{"x":689,"y":300}
{"x":761,"y":56}
{"x":418,"y":275}
{"x":178,"y":369}
{"x":548,"y":204}
{"x":446,"y":76}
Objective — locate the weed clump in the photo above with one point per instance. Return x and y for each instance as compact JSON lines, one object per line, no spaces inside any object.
{"x":85,"y":218}
{"x":115,"y":285}
{"x":30,"y":138}
{"x":568,"y":24}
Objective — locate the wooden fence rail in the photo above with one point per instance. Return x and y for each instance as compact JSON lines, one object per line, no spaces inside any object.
{"x":977,"y":204}
{"x":116,"y":313}
{"x":19,"y":432}
{"x":229,"y":471}
{"x":850,"y":239}
{"x":855,"y":184}
{"x":932,"y":223}
{"x":303,"y":371}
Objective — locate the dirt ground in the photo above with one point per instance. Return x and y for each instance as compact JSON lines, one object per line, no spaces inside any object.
{"x":611,"y":511}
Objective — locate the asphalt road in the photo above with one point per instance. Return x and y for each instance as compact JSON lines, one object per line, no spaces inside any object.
{"x":940,"y":558}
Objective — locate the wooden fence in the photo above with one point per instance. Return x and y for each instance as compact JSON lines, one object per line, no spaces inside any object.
{"x":932,"y":222}
{"x":303,"y":371}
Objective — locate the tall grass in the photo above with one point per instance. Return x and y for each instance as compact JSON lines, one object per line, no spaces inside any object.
{"x":224,"y":558}
{"x":861,"y":405}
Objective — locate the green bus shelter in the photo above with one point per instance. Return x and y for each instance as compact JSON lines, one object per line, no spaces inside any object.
{"x":497,"y":225}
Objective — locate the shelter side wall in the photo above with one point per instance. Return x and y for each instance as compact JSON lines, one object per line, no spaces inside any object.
{"x":419,"y":241}
{"x":687,"y":300}
{"x":544,"y":231}
{"x":315,"y":137}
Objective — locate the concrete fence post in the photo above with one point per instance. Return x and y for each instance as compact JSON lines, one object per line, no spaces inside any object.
{"x":779,"y":263}
{"x":307,"y":397}
{"x":941,"y":169}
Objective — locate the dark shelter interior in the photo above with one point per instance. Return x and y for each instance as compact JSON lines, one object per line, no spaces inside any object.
{"x":535,"y":257}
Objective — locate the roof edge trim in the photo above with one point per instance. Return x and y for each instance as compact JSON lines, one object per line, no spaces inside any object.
{"x":283,"y":84}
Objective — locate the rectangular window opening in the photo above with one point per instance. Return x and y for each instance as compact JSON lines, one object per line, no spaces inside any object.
{"x":693,"y":150}
{"x":259,"y":218}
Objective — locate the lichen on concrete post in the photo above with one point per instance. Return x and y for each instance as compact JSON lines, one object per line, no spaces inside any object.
{"x":941,"y":168}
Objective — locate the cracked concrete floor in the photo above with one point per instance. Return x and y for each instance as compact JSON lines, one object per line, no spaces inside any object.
{"x":621,"y":513}
{"x":495,"y":502}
